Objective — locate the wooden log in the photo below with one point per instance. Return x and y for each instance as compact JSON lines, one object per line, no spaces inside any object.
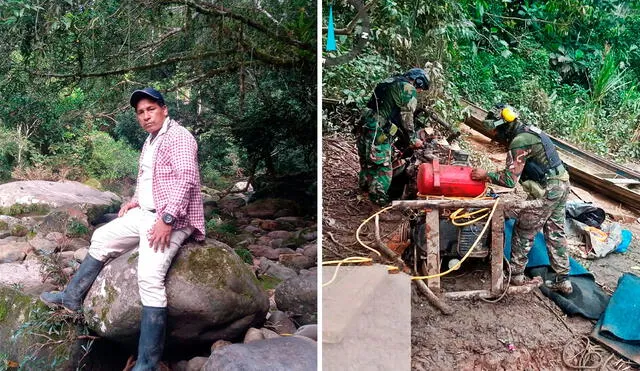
{"x":432,"y":298}
{"x":486,"y":294}
{"x":386,"y":250}
{"x":433,"y":248}
{"x":497,"y":250}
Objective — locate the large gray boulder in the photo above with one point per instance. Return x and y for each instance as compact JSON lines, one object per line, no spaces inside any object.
{"x":58,"y":194}
{"x":27,"y":276}
{"x":290,"y":353}
{"x":298,"y":296}
{"x":211,"y":293}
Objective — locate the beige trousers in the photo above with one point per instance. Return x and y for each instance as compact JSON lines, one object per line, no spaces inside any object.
{"x":131,"y":231}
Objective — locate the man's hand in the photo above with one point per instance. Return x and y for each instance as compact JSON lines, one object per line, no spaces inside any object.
{"x":159,"y":236}
{"x":126,"y":207}
{"x":479,"y":174}
{"x":417,"y":144}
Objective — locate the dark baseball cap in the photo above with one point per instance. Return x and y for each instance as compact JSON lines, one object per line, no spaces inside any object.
{"x":149,"y":93}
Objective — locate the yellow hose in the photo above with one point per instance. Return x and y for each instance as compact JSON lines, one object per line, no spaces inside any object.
{"x":359,"y":259}
{"x":365,"y":222}
{"x":455,"y":267}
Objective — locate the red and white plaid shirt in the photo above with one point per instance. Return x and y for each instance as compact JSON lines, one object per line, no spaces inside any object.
{"x":176,"y":178}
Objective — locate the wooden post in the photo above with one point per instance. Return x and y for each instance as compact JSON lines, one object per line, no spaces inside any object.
{"x":433,"y":248}
{"x":497,"y":250}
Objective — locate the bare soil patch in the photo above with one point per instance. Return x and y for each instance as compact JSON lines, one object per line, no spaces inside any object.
{"x":477,"y":335}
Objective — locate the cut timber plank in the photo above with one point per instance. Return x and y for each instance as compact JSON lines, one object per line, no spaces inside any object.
{"x":581,"y":165}
{"x":379,"y":336}
{"x":433,"y":249}
{"x":344,"y":299}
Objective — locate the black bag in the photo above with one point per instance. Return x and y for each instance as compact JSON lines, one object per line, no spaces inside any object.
{"x":586,"y":213}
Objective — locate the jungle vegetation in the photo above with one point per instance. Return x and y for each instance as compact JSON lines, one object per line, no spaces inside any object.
{"x":239,"y":74}
{"x":571,"y":67}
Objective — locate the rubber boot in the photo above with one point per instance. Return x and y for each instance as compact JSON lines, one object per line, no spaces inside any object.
{"x":73,"y":295}
{"x":151,"y":343}
{"x":561,"y":285}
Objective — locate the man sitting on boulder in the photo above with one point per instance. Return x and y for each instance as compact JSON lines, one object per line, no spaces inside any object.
{"x":165,"y":210}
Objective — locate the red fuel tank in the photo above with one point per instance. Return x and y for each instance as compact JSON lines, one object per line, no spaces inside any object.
{"x":445,"y":180}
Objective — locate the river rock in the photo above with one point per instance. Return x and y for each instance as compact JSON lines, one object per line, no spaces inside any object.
{"x":253,"y":334}
{"x":268,"y":207}
{"x":59,"y":194}
{"x":275,"y":270}
{"x":80,"y":254}
{"x":279,"y":234}
{"x":310,"y":331}
{"x":311,"y":250}
{"x":280,"y":323}
{"x":296,"y":261}
{"x":252,"y":229}
{"x":298,"y":296}
{"x":43,"y":245}
{"x":25,"y":275}
{"x":310,"y":236}
{"x":277,"y":354}
{"x":14,"y":252}
{"x":16,"y":309}
{"x":196,"y":364}
{"x":264,"y":251}
{"x":211,"y":293}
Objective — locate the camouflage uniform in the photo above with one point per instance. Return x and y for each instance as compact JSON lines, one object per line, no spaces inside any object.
{"x":385,"y":114}
{"x":546,"y":213}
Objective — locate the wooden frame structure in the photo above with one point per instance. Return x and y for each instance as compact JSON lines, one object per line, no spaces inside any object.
{"x":432,"y":240}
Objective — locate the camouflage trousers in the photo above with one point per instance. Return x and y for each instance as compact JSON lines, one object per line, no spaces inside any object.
{"x":375,"y":165}
{"x":546,"y":214}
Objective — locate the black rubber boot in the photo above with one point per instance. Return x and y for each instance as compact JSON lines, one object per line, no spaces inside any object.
{"x":151,"y":343}
{"x":72,"y":296}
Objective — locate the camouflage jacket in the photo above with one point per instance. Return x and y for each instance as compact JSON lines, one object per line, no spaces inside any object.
{"x":396,"y":106}
{"x":524,"y":146}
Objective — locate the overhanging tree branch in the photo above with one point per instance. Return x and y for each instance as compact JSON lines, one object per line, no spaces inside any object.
{"x":352,"y":25}
{"x":135,"y":68}
{"x":218,"y":10}
{"x":269,"y":58}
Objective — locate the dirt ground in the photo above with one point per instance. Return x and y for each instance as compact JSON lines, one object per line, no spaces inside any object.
{"x":469,"y":338}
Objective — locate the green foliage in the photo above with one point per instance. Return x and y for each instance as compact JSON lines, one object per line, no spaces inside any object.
{"x":225,"y":231}
{"x":570,"y":67}
{"x":111,"y":159}
{"x":19,"y":230}
{"x":76,"y":228}
{"x":353,"y":82}
{"x":69,"y":69}
{"x":20,"y":210}
{"x":51,"y":266}
{"x":244,"y":254}
{"x":268,"y":282}
{"x":56,"y":331}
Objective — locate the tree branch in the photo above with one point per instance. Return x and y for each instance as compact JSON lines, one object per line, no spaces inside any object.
{"x":269,"y":58}
{"x":134,"y":68}
{"x":525,"y":19}
{"x":228,"y":68}
{"x":352,"y":25}
{"x":157,"y":42}
{"x":219,"y":10}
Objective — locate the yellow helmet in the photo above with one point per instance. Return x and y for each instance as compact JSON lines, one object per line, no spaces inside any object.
{"x":508,"y":114}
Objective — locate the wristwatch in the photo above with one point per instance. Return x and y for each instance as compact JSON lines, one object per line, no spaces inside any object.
{"x":168,"y":218}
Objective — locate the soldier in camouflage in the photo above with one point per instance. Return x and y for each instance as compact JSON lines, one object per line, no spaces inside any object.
{"x":389,"y":111}
{"x":533,"y":160}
